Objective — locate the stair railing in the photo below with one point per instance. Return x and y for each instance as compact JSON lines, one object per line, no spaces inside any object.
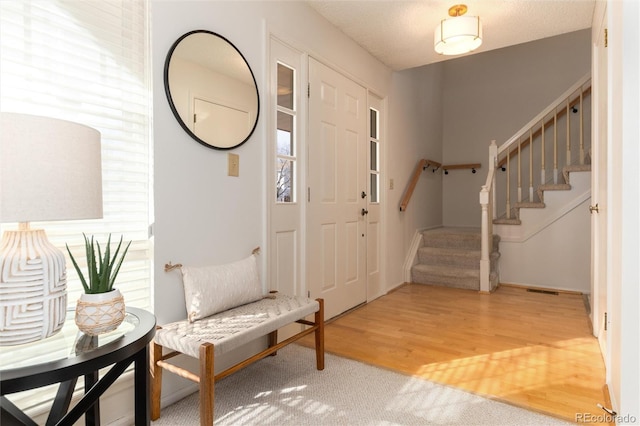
{"x":501,"y":158}
{"x":423,"y":164}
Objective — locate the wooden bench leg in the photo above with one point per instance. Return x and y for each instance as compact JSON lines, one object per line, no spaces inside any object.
{"x":156,"y":379}
{"x":319,"y":335}
{"x":273,"y":340}
{"x":207,"y":378}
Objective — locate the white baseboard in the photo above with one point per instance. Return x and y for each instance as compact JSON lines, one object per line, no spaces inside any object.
{"x":412,"y":253}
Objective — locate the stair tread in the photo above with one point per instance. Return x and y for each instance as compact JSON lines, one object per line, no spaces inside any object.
{"x":530,"y":205}
{"x":505,"y":221}
{"x":448,"y":271}
{"x":445,"y":251}
{"x":447,"y":232}
{"x":454,"y":238}
{"x":577,"y":168}
{"x":555,"y":187}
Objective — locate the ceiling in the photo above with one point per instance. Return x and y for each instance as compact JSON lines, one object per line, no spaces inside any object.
{"x":400,"y":33}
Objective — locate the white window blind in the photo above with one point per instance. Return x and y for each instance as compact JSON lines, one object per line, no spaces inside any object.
{"x":87,"y":62}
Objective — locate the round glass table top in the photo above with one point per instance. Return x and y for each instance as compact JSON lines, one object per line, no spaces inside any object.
{"x":68,"y":343}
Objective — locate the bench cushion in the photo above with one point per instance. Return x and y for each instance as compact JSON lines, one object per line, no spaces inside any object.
{"x":232,"y":328}
{"x":216,"y":288}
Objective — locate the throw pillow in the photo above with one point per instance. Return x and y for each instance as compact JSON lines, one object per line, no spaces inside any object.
{"x":216,"y":288}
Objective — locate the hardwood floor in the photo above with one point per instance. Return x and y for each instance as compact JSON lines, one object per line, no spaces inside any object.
{"x":529,"y":349}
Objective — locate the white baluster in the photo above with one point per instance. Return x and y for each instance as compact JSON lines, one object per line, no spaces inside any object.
{"x":581,"y":130}
{"x":530,"y":165}
{"x":543,"y":178}
{"x":568,"y":135}
{"x":555,"y":147}
{"x":519,"y":171}
{"x":508,"y":185}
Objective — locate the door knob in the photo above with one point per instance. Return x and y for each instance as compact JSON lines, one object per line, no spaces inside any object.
{"x":594,"y":209}
{"x":364,"y":212}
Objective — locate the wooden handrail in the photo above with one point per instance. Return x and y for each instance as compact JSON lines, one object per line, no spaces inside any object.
{"x":422,"y":165}
{"x":537,"y":133}
{"x":472,"y":166}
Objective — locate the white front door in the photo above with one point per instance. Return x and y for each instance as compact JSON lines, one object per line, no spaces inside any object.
{"x":337,"y":179}
{"x":599,"y":188}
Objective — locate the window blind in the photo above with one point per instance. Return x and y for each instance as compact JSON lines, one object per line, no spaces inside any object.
{"x":87,"y":62}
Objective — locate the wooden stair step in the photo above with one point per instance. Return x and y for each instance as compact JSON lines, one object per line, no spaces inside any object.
{"x":450,"y":257}
{"x":460,"y":258}
{"x":505,"y":221}
{"x":529,"y":205}
{"x":446,"y":276}
{"x":566,"y":170}
{"x":552,"y":187}
{"x":555,"y":187}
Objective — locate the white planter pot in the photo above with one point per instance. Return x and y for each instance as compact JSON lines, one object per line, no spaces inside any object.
{"x":99,"y":313}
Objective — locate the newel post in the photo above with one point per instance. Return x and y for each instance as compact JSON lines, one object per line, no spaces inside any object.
{"x":493,"y":165}
{"x":487,"y":204}
{"x":485,"y":264}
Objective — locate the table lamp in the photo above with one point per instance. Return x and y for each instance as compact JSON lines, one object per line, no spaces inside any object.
{"x":50,"y":170}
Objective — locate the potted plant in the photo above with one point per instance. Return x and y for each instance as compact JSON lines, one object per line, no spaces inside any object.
{"x":101,"y":307}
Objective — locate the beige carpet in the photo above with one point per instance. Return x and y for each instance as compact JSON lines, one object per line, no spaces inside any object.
{"x":288,"y":390}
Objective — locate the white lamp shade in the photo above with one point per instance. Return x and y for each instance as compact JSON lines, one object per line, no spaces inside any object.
{"x":458,"y":35}
{"x":50,"y":169}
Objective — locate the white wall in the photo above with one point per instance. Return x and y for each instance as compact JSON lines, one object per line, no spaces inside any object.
{"x":532,"y":262}
{"x":415,"y":123}
{"x":493,"y":94}
{"x":624,"y":210}
{"x":202,"y":216}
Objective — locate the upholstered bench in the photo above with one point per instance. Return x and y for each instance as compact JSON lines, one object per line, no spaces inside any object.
{"x":206,"y":337}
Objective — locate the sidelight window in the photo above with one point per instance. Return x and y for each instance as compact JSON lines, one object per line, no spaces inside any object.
{"x":374,"y":155}
{"x":285,"y":138}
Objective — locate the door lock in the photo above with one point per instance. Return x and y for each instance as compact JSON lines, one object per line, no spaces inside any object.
{"x":364,"y":212}
{"x":363,"y":195}
{"x":594,"y":209}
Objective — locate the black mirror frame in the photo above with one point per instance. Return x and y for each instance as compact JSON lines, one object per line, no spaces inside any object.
{"x":172,"y":104}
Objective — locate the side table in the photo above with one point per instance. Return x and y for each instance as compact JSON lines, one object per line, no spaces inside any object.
{"x":70,"y":354}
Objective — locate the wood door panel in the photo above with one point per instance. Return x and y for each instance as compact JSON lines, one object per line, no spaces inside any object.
{"x":329,"y":266}
{"x":351,"y":156}
{"x":373,"y":240}
{"x":351,"y":251}
{"x":336,"y":240}
{"x":327,"y":166}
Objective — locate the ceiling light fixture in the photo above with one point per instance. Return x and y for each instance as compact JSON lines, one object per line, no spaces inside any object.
{"x":459,"y":34}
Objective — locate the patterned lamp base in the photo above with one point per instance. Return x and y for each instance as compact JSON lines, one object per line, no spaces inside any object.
{"x":33,"y":287}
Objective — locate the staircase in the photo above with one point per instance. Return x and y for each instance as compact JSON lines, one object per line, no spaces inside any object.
{"x":515,"y":216}
{"x":539,"y":180}
{"x":450,"y":257}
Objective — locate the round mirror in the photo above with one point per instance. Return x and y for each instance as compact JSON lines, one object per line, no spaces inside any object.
{"x":211,"y":90}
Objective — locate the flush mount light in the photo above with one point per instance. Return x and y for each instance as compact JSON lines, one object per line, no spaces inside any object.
{"x":458,"y":34}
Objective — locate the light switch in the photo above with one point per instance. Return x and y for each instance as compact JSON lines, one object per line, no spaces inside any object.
{"x":234,"y":164}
